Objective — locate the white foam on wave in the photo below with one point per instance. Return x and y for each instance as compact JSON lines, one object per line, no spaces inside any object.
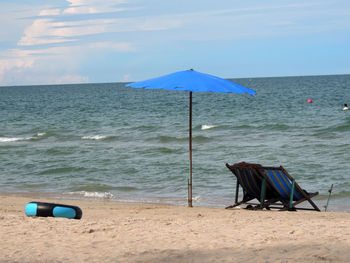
{"x":5,"y":139}
{"x":207,"y":127}
{"x":94,"y":137}
{"x":197,"y":198}
{"x":102,"y":195}
{"x":17,"y":139}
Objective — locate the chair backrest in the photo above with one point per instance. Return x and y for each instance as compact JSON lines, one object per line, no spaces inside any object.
{"x":248,"y":179}
{"x":281,"y":181}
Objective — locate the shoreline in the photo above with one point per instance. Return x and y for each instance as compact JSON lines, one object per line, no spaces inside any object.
{"x":335,"y":204}
{"x":145,"y":232}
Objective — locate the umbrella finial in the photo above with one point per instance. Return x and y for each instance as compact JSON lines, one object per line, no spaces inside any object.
{"x":191,"y":69}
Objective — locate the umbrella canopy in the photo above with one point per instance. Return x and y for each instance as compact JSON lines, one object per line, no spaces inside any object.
{"x":192,"y":81}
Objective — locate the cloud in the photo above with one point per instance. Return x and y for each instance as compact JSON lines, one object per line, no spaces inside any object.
{"x":59,"y":33}
{"x":46,"y":66}
{"x":50,"y":12}
{"x":15,"y":59}
{"x":49,"y":31}
{"x":92,"y":6}
{"x":42,"y":31}
{"x":57,"y":41}
{"x":65,"y":37}
{"x":46,"y":29}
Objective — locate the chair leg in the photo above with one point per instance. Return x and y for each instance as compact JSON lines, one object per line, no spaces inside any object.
{"x":262,"y":197}
{"x":236,"y":198}
{"x":299,"y":189}
{"x":244,"y":200}
{"x":308,"y":198}
{"x":291,"y":197}
{"x":314,"y":205}
{"x":237,"y":192}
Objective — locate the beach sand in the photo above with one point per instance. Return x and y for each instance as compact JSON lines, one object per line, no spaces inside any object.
{"x":141,"y":232}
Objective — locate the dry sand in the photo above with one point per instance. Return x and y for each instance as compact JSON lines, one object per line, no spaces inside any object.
{"x":138,"y":232}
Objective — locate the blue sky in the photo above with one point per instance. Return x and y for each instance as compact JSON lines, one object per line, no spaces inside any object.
{"x":78,"y":41}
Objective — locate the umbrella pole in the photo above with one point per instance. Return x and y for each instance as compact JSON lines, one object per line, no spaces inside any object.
{"x":190,"y":146}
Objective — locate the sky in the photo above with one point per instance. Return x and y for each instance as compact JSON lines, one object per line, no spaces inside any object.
{"x":99,"y":41}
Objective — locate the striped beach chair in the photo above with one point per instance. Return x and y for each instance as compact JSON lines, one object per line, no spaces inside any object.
{"x":290,"y":193}
{"x":253,"y":185}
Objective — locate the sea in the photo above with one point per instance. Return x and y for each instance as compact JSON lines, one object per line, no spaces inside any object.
{"x":111,"y":143}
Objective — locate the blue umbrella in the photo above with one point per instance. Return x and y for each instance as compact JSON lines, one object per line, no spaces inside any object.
{"x":192,"y":81}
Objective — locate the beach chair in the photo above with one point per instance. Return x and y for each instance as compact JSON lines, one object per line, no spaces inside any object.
{"x":253,"y":186}
{"x":291,"y":194}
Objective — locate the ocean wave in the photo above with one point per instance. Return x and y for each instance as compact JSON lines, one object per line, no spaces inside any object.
{"x":208,"y":127}
{"x":200,"y":138}
{"x":332,"y":131}
{"x":197,"y":198}
{"x":98,"y":137}
{"x":147,"y":128}
{"x":38,"y":136}
{"x":168,"y":139}
{"x":97,"y":195}
{"x":337,"y":128}
{"x":62,"y":170}
{"x":17,"y":139}
{"x":166,"y":150}
{"x":165,"y":139}
{"x":94,"y":137}
{"x":101,"y":188}
{"x":5,"y":139}
{"x":242,"y":126}
{"x":341,"y":194}
{"x":276,"y":127}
